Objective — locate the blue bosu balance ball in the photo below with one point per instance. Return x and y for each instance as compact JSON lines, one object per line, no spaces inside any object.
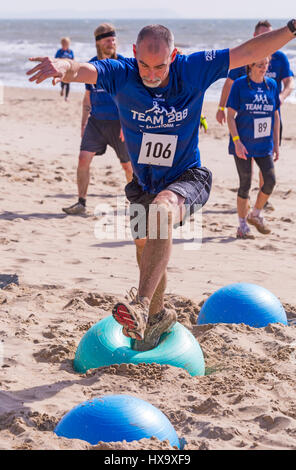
{"x":242,"y":303}
{"x":112,"y":418}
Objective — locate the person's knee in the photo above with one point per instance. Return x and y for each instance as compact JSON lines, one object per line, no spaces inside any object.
{"x":84,"y":159}
{"x":244,"y":187}
{"x":160,"y":221}
{"x":269,"y":183}
{"x":140,"y":243}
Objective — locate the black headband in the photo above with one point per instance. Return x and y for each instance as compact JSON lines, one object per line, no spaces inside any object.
{"x":105,"y":35}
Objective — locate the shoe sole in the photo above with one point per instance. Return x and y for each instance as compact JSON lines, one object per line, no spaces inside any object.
{"x":126,"y":318}
{"x":64,"y":209}
{"x":245,"y":237}
{"x":259,"y":228}
{"x":153,"y":334}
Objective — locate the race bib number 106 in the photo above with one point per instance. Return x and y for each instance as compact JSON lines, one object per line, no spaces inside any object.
{"x":158,"y":149}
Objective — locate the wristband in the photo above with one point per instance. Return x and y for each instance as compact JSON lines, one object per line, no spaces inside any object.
{"x":235,"y":138}
{"x":292,"y":26}
{"x":221,"y":108}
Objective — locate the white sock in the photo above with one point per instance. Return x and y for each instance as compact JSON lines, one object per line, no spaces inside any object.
{"x":243,"y":223}
{"x":256,"y":212}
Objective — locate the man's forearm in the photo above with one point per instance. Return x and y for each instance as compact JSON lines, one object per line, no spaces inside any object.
{"x":259,"y":47}
{"x":288,"y":88}
{"x":79,"y":72}
{"x":225,"y":92}
{"x":276,"y":130}
{"x":85,"y":113}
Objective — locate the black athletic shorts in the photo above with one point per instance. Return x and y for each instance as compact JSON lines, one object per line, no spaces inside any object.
{"x":194,"y":185}
{"x":98,"y":134}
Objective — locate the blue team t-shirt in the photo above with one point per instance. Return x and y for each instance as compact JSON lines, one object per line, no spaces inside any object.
{"x":161,"y":125}
{"x":102,"y":104}
{"x":279,"y":68}
{"x":64,"y":54}
{"x":255,"y":109}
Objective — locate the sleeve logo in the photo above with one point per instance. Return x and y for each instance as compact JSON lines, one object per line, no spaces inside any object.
{"x":210,"y":55}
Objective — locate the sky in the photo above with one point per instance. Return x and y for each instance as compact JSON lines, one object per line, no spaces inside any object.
{"x":149,"y":9}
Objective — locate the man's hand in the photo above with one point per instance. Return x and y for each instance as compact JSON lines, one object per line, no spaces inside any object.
{"x":48,"y":68}
{"x":221,"y":116}
{"x":240,"y":150}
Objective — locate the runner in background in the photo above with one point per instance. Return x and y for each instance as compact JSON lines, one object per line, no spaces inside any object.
{"x":279,"y":69}
{"x":253,"y":121}
{"x":65,"y":53}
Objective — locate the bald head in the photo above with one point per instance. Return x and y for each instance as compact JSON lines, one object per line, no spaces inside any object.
{"x":156,"y":37}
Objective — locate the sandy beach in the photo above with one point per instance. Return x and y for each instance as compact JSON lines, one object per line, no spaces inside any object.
{"x":59,"y":276}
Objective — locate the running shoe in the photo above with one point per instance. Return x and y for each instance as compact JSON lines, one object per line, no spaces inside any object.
{"x":259,"y":223}
{"x":268,"y":207}
{"x":244,"y":234}
{"x":76,"y":209}
{"x":133,"y":316}
{"x":157,"y":325}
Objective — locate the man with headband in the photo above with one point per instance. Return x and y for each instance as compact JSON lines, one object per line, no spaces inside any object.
{"x":100,"y":125}
{"x":159,"y":96}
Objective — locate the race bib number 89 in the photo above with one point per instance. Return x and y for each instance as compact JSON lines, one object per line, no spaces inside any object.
{"x":158,"y":149}
{"x":262,"y":127}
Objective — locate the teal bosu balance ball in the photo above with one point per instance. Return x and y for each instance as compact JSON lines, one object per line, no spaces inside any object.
{"x":113,"y":418}
{"x":245,"y":303}
{"x":104,"y":345}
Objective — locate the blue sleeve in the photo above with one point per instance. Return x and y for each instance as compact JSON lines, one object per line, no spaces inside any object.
{"x":234,"y":97}
{"x":112,"y":75}
{"x":285,"y":69}
{"x":58,"y":54}
{"x":72,"y":54}
{"x":204,"y":68}
{"x":237,"y":73}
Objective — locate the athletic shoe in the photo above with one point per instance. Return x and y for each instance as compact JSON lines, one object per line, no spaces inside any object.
{"x":244,"y":234}
{"x":259,"y":223}
{"x":157,"y":325}
{"x":76,"y":209}
{"x":133,"y":316}
{"x":268,"y":207}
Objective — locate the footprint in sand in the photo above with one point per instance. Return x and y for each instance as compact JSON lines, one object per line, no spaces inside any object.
{"x":268,"y":247}
{"x":73,"y":261}
{"x":77,"y":280}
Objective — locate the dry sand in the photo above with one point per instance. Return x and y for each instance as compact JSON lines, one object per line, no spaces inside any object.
{"x":57,"y":279}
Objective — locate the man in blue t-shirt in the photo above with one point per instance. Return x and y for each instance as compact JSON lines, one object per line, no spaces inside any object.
{"x":279,"y":70}
{"x":100,"y":125}
{"x":65,"y":53}
{"x":159,"y":96}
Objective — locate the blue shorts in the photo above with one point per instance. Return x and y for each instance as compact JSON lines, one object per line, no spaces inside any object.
{"x":194,"y":185}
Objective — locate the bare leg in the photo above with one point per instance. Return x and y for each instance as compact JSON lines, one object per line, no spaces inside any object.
{"x":128,"y":169}
{"x":157,"y":300}
{"x":262,"y":198}
{"x":83,"y":173}
{"x":157,"y":250}
{"x":242,"y":207}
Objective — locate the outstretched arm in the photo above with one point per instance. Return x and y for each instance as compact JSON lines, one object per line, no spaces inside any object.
{"x":62,"y":70}
{"x":259,"y":47}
